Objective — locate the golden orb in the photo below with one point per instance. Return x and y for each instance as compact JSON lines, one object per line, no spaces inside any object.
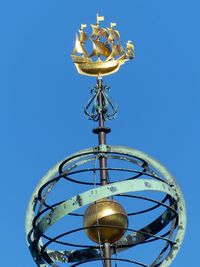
{"x":105,"y":212}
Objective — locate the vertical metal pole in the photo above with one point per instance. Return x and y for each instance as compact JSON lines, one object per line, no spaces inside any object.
{"x":103,"y":161}
{"x":102,"y":134}
{"x":107,"y":254}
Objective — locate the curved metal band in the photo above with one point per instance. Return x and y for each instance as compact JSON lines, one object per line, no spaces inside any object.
{"x":98,"y":193}
{"x":86,"y":197}
{"x":113,"y":259}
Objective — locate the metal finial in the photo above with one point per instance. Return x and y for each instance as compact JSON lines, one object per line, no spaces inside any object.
{"x":113,"y":173}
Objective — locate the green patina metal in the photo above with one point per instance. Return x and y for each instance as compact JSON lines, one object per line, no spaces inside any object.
{"x":98,"y":193}
{"x":170,"y":187}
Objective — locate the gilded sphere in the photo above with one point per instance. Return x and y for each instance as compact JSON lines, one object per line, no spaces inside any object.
{"x":105,"y":212}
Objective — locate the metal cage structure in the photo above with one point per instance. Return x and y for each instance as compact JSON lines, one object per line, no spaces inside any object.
{"x":145,"y":174}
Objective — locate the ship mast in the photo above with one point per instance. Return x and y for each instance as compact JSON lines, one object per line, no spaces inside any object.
{"x":99,"y":18}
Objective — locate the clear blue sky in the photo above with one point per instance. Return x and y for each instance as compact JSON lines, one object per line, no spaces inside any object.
{"x":42,"y":99}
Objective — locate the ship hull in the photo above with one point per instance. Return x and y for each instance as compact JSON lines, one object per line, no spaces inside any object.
{"x":81,"y":60}
{"x":99,"y":68}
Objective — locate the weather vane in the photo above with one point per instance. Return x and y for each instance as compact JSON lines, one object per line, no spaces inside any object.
{"x":131,"y":201}
{"x":107,"y":55}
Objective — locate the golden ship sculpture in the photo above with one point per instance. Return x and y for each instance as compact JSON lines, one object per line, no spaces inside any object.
{"x":107,"y":55}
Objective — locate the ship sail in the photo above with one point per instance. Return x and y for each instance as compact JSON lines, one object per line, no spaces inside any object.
{"x":83,"y":36}
{"x":113,"y":35}
{"x":100,"y":49}
{"x":79,"y":48}
{"x":98,"y":32}
{"x":116,"y":51}
{"x":130,"y":49}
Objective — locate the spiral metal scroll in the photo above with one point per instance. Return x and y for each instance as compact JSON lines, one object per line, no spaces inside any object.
{"x":143,"y":175}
